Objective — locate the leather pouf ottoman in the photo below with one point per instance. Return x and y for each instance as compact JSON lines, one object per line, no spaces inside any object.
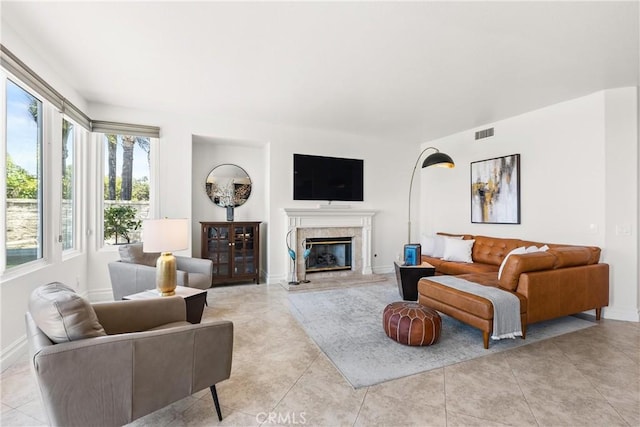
{"x":411,"y":323}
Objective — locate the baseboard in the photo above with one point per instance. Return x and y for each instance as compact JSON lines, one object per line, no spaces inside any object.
{"x":383,"y":269}
{"x":275,"y":279}
{"x":613,"y":313}
{"x":14,"y":352}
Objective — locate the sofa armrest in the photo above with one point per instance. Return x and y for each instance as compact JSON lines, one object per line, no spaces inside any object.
{"x":195,"y":265}
{"x":140,"y":315}
{"x":564,"y":291}
{"x":522,"y":263}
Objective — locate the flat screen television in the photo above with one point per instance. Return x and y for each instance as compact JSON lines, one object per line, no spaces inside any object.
{"x":327,"y":178}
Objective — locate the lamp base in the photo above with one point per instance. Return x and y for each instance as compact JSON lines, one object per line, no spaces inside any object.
{"x":166,"y":276}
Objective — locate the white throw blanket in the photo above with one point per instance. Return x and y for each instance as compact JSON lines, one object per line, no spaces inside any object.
{"x":506,"y":306}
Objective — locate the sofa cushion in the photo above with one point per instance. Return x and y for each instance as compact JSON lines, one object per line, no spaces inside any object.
{"x":455,"y":268}
{"x":436,"y":262}
{"x":428,"y":245}
{"x":470,"y":303}
{"x":458,"y":250}
{"x":571,"y":256}
{"x":492,"y":250}
{"x":133,"y":253}
{"x":438,"y":251}
{"x":62,"y":314}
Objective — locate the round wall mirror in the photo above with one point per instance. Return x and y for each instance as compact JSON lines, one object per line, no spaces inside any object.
{"x":228,"y":185}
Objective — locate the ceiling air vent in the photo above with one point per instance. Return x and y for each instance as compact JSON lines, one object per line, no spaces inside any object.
{"x":485,"y":133}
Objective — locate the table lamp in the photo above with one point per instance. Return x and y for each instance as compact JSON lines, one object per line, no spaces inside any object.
{"x":165,"y":236}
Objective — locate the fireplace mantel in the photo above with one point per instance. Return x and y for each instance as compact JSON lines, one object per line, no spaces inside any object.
{"x":302,"y":218}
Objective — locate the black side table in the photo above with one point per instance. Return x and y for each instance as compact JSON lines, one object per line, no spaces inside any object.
{"x":408,"y":276}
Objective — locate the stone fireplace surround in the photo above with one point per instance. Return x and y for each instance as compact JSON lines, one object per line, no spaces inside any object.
{"x":332,"y":222}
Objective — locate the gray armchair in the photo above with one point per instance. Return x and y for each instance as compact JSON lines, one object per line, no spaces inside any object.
{"x":136,"y":271}
{"x":142,"y":356}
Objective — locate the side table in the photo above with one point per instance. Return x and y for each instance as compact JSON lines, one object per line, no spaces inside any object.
{"x":408,"y":276}
{"x":194,"y":299}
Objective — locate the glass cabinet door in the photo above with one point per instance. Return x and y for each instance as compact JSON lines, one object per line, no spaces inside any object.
{"x":218,"y":248}
{"x":243,"y":250}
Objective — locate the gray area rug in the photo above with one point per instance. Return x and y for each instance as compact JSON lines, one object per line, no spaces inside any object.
{"x":347,"y":326}
{"x":335,"y":282}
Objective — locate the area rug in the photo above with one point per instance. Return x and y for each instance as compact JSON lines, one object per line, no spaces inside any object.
{"x":347,"y":326}
{"x":336,"y":282}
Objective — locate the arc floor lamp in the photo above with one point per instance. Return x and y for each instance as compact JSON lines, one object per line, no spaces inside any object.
{"x":434,"y":159}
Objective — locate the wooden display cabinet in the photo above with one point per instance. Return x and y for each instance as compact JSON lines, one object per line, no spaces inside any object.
{"x":234,"y":248}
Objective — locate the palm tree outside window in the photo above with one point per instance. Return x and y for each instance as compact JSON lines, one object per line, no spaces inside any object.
{"x":126,"y":186}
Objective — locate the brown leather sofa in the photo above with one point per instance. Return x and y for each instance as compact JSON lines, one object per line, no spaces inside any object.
{"x":564,"y":280}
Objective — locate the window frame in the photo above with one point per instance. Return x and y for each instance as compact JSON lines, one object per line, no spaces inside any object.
{"x":46,"y":141}
{"x":98,"y":139}
{"x":79,"y":143}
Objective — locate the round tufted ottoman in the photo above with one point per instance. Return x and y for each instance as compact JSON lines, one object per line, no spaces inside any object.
{"x":411,"y":323}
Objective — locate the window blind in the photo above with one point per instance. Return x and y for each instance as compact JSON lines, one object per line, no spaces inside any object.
{"x":125,"y":129}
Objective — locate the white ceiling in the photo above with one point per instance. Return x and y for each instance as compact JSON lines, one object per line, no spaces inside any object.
{"x":394,"y":70}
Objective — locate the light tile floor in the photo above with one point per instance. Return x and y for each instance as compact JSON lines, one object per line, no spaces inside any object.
{"x":280,"y":377}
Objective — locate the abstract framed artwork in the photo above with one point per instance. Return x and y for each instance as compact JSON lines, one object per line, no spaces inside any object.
{"x":495,"y":190}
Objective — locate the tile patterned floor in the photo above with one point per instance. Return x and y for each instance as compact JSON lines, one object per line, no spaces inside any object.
{"x":279,"y":377}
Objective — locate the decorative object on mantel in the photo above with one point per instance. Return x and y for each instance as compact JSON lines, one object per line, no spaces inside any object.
{"x":228,"y":186}
{"x":292,"y":255}
{"x":435,"y":159}
{"x":495,"y":190}
{"x":165,"y":235}
{"x":305,"y":255}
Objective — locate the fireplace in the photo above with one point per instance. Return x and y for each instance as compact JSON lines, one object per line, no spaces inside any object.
{"x":329,"y":223}
{"x":328,"y":254}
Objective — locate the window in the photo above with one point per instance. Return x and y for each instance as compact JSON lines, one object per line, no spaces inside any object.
{"x":68,"y":206}
{"x":23,"y":178}
{"x":127,"y":166}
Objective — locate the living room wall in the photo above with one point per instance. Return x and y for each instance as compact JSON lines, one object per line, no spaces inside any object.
{"x":384,"y":191}
{"x":579,"y":183}
{"x":208,"y":153}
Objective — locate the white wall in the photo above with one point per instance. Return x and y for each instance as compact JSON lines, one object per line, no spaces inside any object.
{"x":621,"y":201}
{"x":208,"y":153}
{"x":578,"y":181}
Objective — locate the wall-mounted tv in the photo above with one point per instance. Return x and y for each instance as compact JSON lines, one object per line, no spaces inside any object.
{"x":327,"y":178}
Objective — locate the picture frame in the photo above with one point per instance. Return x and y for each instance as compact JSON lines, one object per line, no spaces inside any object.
{"x":495,"y":190}
{"x":413,"y":254}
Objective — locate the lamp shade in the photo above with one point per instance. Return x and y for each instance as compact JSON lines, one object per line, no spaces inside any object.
{"x":438,"y":159}
{"x":165,"y":235}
